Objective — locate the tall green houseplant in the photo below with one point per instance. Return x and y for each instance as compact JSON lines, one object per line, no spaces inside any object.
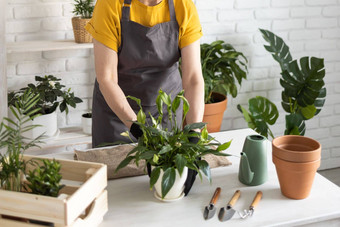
{"x":223,"y":68}
{"x":303,"y":94}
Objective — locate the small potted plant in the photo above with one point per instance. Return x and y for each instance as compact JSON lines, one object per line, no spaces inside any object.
{"x":52,"y":95}
{"x":169,"y":151}
{"x":83,"y":10}
{"x":86,"y":122}
{"x":223,"y":68}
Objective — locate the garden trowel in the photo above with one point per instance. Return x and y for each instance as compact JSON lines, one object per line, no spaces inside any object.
{"x":210,"y":210}
{"x":228,"y":212}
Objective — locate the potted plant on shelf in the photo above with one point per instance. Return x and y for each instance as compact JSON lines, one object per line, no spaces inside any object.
{"x":83,"y":10}
{"x":169,"y":150}
{"x":295,"y":156}
{"x":52,"y":95}
{"x":223,"y":68}
{"x":86,"y":122}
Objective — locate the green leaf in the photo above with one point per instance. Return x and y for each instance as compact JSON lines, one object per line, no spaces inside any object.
{"x":204,"y":167}
{"x":204,"y":133}
{"x":295,"y":125}
{"x":141,"y":117}
{"x":303,"y":83}
{"x":175,"y":104}
{"x":308,"y":112}
{"x":168,"y":180}
{"x":278,"y":48}
{"x":155,"y":158}
{"x":180,"y":163}
{"x":193,"y":126}
{"x":124,"y":163}
{"x":224,"y":146}
{"x":137,"y":100}
{"x":165,"y":149}
{"x":147,"y":154}
{"x":154,"y":176}
{"x":262,"y":114}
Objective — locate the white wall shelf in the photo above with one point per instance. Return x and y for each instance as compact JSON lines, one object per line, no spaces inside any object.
{"x":45,"y":45}
{"x":68,"y":140}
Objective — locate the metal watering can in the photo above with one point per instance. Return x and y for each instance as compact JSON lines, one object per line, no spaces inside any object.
{"x":253,"y":163}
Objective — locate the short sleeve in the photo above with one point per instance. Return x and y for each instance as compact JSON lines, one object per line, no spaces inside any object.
{"x":105,"y":23}
{"x":190,"y":28}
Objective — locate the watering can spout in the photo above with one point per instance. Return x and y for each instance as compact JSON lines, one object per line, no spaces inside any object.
{"x":245,"y":171}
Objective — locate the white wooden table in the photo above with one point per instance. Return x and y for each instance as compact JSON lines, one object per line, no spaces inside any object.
{"x":131,"y":203}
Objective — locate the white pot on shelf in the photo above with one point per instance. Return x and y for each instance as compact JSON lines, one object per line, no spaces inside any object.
{"x":86,"y":123}
{"x":48,"y":125}
{"x":176,"y":192}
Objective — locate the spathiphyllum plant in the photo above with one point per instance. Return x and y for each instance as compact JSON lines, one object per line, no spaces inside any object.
{"x":303,"y":94}
{"x":169,"y":149}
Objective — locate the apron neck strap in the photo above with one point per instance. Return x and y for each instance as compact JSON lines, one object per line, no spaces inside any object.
{"x":172,"y":10}
{"x":126,"y":10}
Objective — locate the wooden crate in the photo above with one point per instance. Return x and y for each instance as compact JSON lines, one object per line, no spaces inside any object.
{"x":83,"y":201}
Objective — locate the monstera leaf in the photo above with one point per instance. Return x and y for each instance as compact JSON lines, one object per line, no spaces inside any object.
{"x":278,"y":48}
{"x":303,"y":87}
{"x":262,"y":114}
{"x":295,"y":125}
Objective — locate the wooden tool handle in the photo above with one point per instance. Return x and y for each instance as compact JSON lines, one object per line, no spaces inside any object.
{"x":257,"y":199}
{"x":215,"y":196}
{"x":234,"y":198}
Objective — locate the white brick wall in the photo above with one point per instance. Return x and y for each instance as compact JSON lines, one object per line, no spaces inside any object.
{"x":3,"y":79}
{"x":309,"y":27}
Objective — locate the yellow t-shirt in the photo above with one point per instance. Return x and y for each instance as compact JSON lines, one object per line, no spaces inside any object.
{"x":105,"y":23}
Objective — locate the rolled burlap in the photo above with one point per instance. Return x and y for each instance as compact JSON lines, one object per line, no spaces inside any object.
{"x":112,"y":156}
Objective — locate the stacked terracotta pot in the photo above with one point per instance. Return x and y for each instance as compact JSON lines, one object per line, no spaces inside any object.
{"x":296,"y":159}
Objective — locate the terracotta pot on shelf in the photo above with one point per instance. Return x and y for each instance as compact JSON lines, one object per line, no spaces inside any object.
{"x":296,"y":159}
{"x":213,"y":112}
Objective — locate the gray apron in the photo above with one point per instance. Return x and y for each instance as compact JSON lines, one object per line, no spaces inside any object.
{"x":147,"y":61}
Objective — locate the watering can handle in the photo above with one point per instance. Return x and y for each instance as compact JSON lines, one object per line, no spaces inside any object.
{"x":256,"y":200}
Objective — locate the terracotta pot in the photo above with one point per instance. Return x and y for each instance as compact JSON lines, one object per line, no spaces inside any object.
{"x":296,"y":148}
{"x":213,"y":113}
{"x":296,"y":179}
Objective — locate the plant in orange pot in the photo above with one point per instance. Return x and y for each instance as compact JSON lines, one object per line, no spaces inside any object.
{"x":223,"y":68}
